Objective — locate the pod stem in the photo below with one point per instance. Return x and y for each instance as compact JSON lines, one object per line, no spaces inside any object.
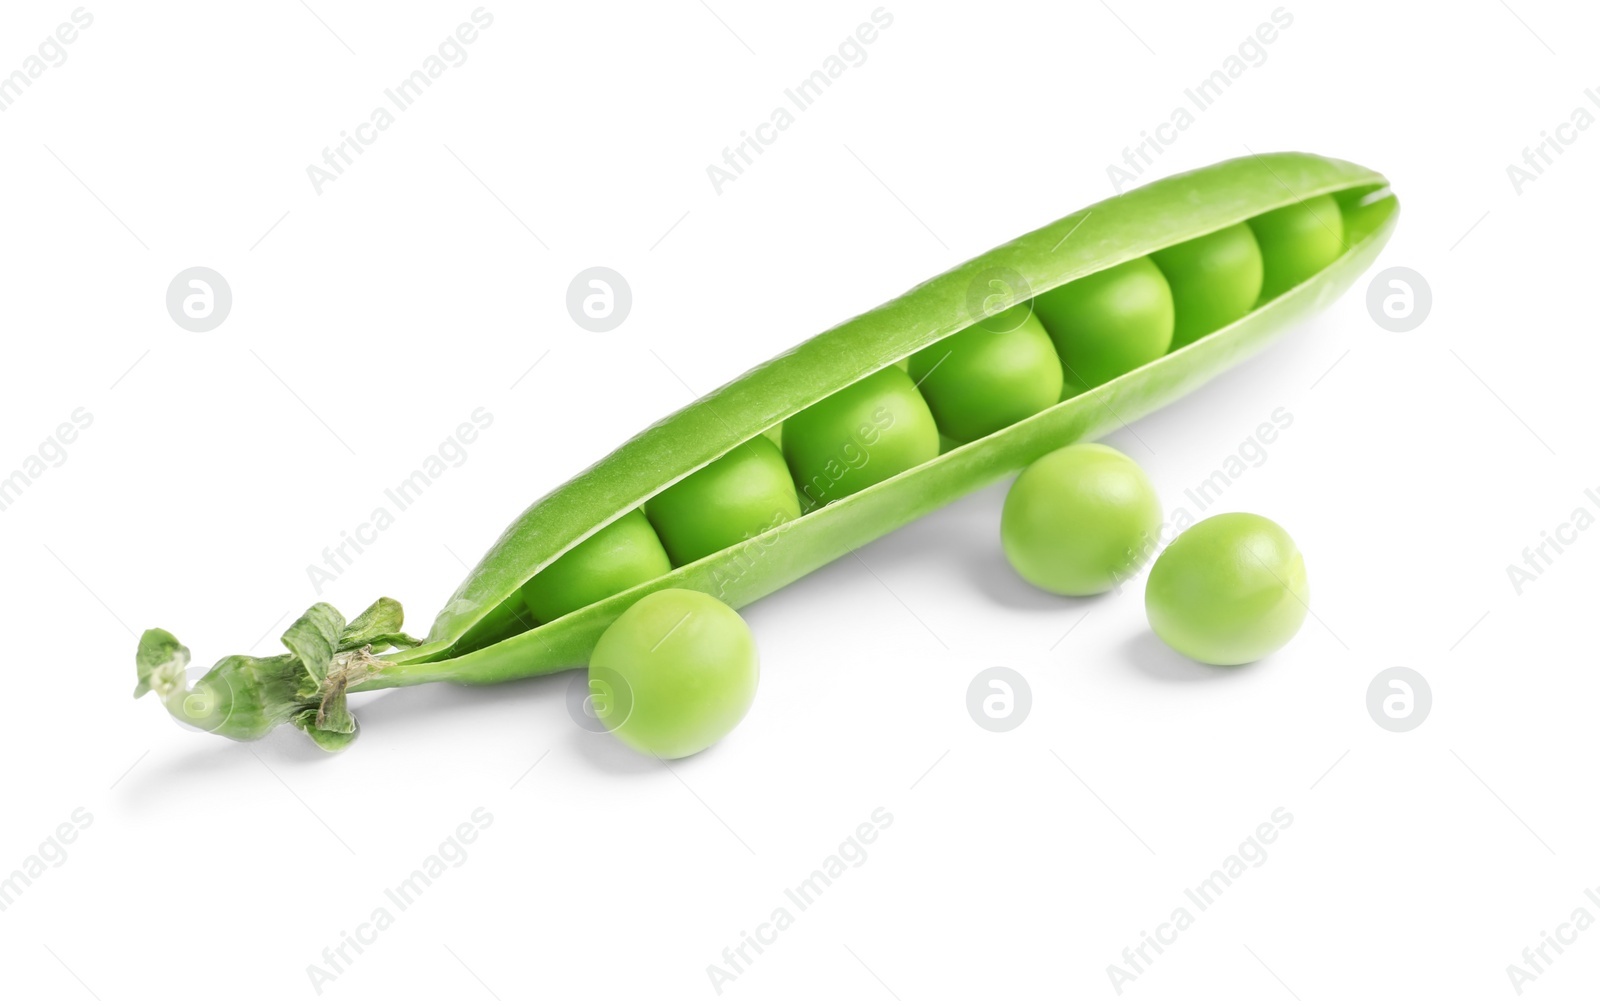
{"x":244,"y":698}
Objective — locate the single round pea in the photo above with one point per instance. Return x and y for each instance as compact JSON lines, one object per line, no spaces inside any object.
{"x":624,"y":553}
{"x":1229,"y":590}
{"x":1079,"y":520}
{"x":738,"y":496}
{"x":1215,"y":279}
{"x":674,"y":674}
{"x":1109,"y":322}
{"x":861,"y":435}
{"x":1297,"y":241}
{"x":989,"y":376}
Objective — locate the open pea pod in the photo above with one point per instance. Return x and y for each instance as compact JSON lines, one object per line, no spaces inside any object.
{"x":477,"y":637}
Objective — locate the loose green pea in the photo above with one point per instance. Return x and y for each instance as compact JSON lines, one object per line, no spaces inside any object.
{"x":861,"y":435}
{"x":1215,"y":279}
{"x":1297,"y":241}
{"x":1079,"y":520}
{"x":624,"y":553}
{"x":738,"y":496}
{"x":1229,"y":590}
{"x":989,"y":376}
{"x":674,"y":674}
{"x":1109,"y":322}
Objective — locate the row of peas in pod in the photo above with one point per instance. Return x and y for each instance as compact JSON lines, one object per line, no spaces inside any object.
{"x":964,"y":387}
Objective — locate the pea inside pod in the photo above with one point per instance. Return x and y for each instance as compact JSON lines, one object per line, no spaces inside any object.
{"x":1297,"y":241}
{"x":1215,"y":280}
{"x":864,"y":434}
{"x":1109,"y":322}
{"x":737,"y":497}
{"x":990,"y":375}
{"x":619,"y":556}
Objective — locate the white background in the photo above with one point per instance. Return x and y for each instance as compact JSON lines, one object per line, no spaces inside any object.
{"x":371,"y":319}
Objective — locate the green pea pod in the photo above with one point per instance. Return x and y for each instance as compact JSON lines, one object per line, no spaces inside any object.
{"x":469,"y":640}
